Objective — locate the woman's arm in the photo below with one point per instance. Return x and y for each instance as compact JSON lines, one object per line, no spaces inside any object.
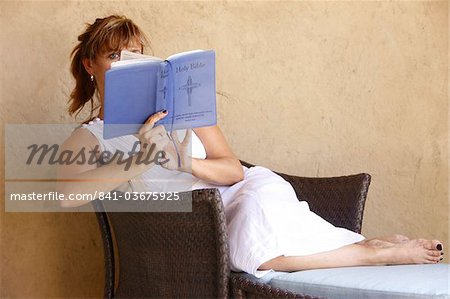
{"x":221,"y":167}
{"x":88,"y":178}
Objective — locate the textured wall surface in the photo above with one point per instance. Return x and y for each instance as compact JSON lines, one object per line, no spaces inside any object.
{"x":308,"y":88}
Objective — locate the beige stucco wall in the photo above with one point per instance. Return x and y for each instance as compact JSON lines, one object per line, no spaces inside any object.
{"x":309,"y":88}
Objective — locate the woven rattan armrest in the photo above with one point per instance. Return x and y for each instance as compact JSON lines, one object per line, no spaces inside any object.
{"x":168,"y":254}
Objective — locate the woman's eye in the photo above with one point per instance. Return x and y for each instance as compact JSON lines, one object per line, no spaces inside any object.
{"x":114,"y":56}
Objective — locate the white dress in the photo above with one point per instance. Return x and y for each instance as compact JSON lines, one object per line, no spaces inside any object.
{"x":264,"y":217}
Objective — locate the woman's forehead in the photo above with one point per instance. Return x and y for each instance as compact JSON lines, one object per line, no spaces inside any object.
{"x":133,"y":43}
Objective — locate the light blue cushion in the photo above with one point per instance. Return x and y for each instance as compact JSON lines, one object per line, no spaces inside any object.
{"x":393,"y":282}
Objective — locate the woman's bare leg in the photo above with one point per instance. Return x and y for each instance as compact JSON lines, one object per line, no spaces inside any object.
{"x":418,"y":251}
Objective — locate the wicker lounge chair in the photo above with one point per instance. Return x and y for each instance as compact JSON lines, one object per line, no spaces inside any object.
{"x":185,"y":255}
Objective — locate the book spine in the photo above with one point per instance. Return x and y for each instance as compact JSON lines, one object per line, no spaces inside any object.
{"x":162,"y":90}
{"x":171,"y":94}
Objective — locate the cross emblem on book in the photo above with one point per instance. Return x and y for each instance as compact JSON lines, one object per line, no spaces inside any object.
{"x":189,"y":86}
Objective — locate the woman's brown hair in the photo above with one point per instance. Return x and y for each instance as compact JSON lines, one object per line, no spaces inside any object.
{"x":105,"y":34}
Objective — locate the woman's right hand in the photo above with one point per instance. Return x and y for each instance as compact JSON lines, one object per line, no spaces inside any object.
{"x":152,"y":139}
{"x":175,"y":154}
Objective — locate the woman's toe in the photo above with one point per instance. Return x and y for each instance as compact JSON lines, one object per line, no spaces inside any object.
{"x":438,"y":245}
{"x":432,"y":261}
{"x":432,"y":245}
{"x":434,"y":253}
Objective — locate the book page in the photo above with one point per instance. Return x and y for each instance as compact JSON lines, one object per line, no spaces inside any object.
{"x":174,"y":56}
{"x":127,"y":55}
{"x":119,"y":64}
{"x":128,"y":58}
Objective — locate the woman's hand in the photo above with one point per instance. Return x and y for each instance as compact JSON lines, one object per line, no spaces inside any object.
{"x":165,"y":150}
{"x":153,"y":140}
{"x":179,"y":153}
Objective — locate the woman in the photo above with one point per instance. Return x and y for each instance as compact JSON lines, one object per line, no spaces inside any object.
{"x":261,"y":208}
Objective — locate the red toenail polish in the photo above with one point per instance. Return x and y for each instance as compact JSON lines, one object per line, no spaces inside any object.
{"x":439,"y":246}
{"x":442,"y":253}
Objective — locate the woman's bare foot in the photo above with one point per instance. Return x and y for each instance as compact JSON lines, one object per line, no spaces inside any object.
{"x":397,"y":239}
{"x":419,"y":251}
{"x":385,"y":241}
{"x":378,"y":243}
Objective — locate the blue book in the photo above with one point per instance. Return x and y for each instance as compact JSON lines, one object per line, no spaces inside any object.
{"x":138,"y":85}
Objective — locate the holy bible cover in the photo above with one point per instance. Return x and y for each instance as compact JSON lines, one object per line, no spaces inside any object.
{"x":137,"y":86}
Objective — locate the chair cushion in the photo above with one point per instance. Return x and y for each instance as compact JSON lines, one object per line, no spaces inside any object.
{"x":393,"y":282}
